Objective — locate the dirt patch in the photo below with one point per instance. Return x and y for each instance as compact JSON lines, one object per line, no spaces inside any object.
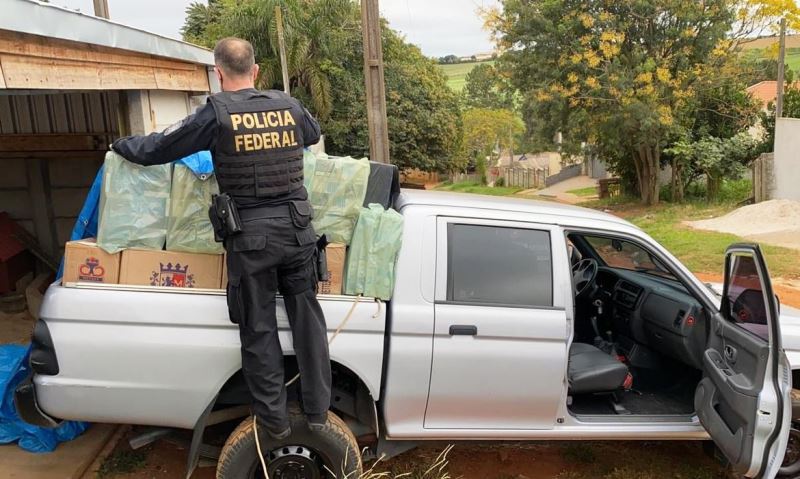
{"x":15,"y":328}
{"x":565,"y":460}
{"x":775,"y":222}
{"x":787,"y":291}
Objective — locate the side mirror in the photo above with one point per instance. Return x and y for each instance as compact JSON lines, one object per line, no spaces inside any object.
{"x":617,"y":245}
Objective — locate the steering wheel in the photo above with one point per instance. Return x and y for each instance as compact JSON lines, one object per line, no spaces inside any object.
{"x":583,"y":275}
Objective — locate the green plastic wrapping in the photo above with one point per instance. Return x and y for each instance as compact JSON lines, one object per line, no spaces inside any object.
{"x":188,"y":226}
{"x":133,"y":205}
{"x":373,"y":252}
{"x":336,"y":190}
{"x":309,"y":166}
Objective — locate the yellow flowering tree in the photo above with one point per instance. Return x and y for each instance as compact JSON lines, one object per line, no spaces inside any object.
{"x":622,"y":76}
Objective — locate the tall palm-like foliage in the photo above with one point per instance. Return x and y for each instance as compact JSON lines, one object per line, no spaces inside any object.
{"x":315,"y":32}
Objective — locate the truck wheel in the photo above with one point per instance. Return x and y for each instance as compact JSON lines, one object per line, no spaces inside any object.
{"x":330,"y":453}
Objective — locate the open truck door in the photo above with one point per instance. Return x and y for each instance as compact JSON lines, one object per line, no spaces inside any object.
{"x":743,"y":400}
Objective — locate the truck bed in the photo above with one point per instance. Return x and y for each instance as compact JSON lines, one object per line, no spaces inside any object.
{"x":158,"y":356}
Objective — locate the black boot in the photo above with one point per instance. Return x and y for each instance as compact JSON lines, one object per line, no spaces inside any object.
{"x":267,"y":434}
{"x":316,"y":422}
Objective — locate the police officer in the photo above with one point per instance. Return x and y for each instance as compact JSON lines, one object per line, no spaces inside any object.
{"x":256,"y":139}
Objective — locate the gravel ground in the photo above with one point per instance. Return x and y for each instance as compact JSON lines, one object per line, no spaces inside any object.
{"x":775,"y":222}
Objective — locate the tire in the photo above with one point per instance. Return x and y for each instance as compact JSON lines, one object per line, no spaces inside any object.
{"x":334,"y":447}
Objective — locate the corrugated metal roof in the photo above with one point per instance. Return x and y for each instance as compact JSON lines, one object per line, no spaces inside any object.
{"x":36,"y":18}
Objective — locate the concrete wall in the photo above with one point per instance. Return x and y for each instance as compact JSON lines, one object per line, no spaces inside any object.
{"x":786,"y":167}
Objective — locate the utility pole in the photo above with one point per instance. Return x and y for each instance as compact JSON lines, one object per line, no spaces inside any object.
{"x":101,"y":9}
{"x":282,"y":48}
{"x":781,"y":73}
{"x":373,"y":78}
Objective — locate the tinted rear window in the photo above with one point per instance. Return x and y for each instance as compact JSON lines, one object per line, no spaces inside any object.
{"x":498,"y":265}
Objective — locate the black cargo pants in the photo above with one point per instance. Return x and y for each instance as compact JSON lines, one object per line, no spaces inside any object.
{"x":276,"y":252}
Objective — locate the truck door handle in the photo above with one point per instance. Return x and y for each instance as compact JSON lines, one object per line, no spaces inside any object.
{"x":463,"y":330}
{"x":730,"y":353}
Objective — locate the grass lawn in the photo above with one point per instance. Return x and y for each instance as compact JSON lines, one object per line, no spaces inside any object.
{"x":457,"y":74}
{"x":792,"y":56}
{"x":479,"y":189}
{"x":701,"y":251}
{"x":588,"y":191}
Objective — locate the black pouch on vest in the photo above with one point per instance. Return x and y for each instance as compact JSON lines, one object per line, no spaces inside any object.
{"x":301,"y":213}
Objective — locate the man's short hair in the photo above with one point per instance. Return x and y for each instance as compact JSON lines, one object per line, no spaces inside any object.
{"x":235,"y":56}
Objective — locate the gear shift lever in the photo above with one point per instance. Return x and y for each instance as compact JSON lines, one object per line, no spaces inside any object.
{"x":599,"y":305}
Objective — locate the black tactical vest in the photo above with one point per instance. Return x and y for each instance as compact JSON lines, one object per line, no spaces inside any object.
{"x":259,"y":148}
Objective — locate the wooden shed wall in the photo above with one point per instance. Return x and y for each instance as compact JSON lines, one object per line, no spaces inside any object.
{"x":51,"y":146}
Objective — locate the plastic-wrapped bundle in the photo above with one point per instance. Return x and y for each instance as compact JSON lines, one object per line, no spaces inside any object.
{"x":336,"y":191}
{"x":133,"y":205}
{"x":189,"y":228}
{"x":373,"y":253}
{"x":309,"y":166}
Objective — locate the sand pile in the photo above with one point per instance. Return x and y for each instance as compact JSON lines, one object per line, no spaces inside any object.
{"x":776,"y":218}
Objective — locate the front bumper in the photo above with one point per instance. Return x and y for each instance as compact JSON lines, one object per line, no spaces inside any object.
{"x":27,"y":406}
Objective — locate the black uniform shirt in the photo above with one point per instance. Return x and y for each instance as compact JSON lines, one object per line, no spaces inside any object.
{"x":195,"y":133}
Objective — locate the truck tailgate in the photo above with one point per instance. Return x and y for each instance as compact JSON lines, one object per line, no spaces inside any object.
{"x":159,"y":356}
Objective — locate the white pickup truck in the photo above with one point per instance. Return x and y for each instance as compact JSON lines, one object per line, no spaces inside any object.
{"x":510,"y":320}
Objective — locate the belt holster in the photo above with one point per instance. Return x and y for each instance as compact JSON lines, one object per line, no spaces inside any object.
{"x":224,"y":217}
{"x":322,"y":259}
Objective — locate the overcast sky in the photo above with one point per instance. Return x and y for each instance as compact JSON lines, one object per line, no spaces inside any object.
{"x":438,"y":27}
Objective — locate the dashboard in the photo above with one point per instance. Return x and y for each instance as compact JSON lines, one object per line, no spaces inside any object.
{"x":654,"y":312}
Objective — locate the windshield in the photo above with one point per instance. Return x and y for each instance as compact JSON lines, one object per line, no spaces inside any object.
{"x":622,"y":254}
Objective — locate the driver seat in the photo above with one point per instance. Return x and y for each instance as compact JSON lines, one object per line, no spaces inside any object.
{"x":590,"y":370}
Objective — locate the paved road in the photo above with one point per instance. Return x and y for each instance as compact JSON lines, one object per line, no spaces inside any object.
{"x":558,"y":191}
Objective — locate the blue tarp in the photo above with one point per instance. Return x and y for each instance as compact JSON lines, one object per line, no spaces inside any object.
{"x":200,"y":163}
{"x":13,"y":370}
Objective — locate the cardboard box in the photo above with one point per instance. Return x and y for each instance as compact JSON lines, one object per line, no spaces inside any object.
{"x":336,"y":255}
{"x":85,"y":262}
{"x":170,"y":269}
{"x":224,"y":283}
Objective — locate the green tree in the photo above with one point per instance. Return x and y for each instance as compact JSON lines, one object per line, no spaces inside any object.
{"x":716,"y":158}
{"x":486,"y":132}
{"x":325,"y":59}
{"x":315,"y":33}
{"x":486,"y":87}
{"x":619,"y":75}
{"x":422,"y":111}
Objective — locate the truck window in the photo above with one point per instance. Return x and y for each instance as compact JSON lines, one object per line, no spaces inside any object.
{"x":498,"y":265}
{"x":744,"y":302}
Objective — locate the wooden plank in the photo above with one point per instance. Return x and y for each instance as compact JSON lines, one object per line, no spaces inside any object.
{"x":40,"y":203}
{"x":2,"y":79}
{"x":170,"y":79}
{"x":37,"y":73}
{"x":50,"y":48}
{"x":96,"y":155}
{"x":53,"y":142}
{"x":30,"y":72}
